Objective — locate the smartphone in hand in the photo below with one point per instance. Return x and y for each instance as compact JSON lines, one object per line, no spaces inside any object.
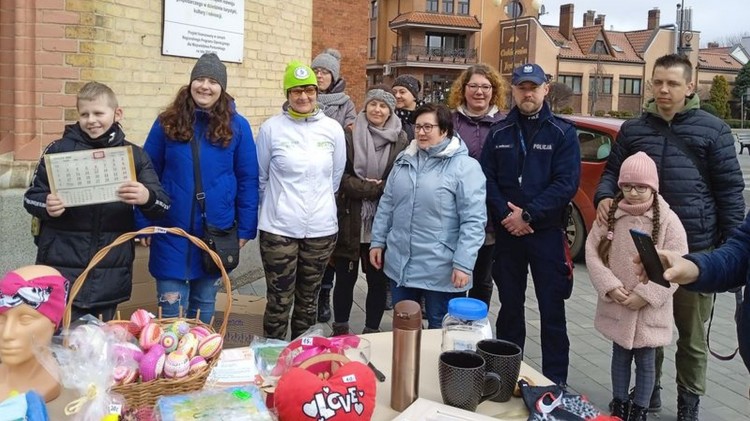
{"x":650,"y":259}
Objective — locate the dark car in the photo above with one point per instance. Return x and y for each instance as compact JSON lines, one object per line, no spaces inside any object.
{"x":596,"y":136}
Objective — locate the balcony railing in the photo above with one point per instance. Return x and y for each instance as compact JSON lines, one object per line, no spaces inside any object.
{"x":439,"y":55}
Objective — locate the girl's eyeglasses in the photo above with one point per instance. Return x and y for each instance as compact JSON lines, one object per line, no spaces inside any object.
{"x":630,"y":187}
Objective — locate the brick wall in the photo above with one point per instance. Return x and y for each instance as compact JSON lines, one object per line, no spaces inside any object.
{"x":344,"y":25}
{"x":49,"y":48}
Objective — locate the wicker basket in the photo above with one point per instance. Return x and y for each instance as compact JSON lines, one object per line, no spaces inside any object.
{"x":139,"y":395}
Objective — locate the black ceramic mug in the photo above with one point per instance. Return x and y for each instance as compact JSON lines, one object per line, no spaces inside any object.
{"x":464,"y":383}
{"x":504,"y":359}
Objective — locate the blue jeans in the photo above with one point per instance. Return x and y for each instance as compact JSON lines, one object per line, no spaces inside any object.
{"x":198,"y":294}
{"x":435,"y":302}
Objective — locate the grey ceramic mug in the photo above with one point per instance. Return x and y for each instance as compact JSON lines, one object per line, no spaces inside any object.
{"x":504,"y":359}
{"x":464,"y":383}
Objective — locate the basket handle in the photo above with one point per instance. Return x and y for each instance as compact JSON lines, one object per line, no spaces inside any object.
{"x":124,"y":238}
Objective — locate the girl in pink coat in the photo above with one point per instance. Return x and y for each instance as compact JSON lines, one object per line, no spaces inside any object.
{"x":636,"y":317}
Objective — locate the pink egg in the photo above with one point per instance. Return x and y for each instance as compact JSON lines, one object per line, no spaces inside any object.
{"x":176,"y":365}
{"x":126,"y":352}
{"x":197,"y":364}
{"x":125,"y":375}
{"x":119,"y":331}
{"x":210,"y":346}
{"x":138,"y":320}
{"x":150,"y":335}
{"x":200,"y":331}
{"x":152,"y":364}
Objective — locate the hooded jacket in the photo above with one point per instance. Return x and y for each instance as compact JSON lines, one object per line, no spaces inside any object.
{"x":230,"y":181}
{"x":551,"y":168}
{"x":474,"y":131}
{"x":69,"y":241}
{"x":301,"y":161}
{"x":708,"y":209}
{"x":726,"y":268}
{"x":650,"y":326}
{"x":431,"y":217}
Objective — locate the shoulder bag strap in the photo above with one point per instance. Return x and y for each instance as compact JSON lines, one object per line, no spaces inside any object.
{"x":680,"y":144}
{"x":200,"y":195}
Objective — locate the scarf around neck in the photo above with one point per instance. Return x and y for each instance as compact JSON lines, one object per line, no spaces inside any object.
{"x":371,"y":149}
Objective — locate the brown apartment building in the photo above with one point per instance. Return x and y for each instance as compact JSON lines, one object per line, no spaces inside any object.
{"x":606,"y":69}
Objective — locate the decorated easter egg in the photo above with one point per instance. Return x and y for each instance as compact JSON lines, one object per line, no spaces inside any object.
{"x":152,"y":364}
{"x":169,"y":341}
{"x":150,"y":335}
{"x":180,"y":328}
{"x":197,"y":364}
{"x":138,"y":320}
{"x":200,"y":331}
{"x":177,"y":365}
{"x":125,"y":375}
{"x":127,"y":352}
{"x":119,"y":331}
{"x":188,"y":345}
{"x":210,"y":346}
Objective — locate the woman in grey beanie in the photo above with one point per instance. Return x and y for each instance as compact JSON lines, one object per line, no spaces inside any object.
{"x":331,"y":97}
{"x":337,"y":105}
{"x":406,"y":90}
{"x":372,"y":145}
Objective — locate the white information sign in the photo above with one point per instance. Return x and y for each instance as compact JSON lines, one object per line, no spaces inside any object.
{"x":194,"y":27}
{"x":90,"y":176}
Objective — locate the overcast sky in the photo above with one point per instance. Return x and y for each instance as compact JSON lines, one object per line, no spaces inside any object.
{"x":714,"y":19}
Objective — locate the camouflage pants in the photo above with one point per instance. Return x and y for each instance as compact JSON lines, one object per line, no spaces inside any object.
{"x":294,"y":268}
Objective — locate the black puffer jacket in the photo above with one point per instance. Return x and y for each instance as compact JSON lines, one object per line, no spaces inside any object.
{"x":708,"y":215}
{"x":69,"y":242}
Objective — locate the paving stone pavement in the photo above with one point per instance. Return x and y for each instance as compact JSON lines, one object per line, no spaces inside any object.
{"x":727,"y":384}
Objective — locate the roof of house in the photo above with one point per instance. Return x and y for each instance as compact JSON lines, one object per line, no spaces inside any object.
{"x":437,"y":19}
{"x":718,"y":59}
{"x":618,"y":45}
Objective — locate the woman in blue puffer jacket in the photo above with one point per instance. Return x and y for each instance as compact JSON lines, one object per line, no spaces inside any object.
{"x":431,"y":217}
{"x":202,"y":110}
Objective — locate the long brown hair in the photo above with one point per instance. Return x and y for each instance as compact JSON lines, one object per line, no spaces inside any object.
{"x":179,"y":117}
{"x":605,"y":244}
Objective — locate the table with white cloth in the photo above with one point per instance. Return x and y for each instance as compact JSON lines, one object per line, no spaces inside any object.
{"x":429,"y":387}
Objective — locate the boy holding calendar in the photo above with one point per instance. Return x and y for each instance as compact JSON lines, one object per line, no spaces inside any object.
{"x":70,"y":236}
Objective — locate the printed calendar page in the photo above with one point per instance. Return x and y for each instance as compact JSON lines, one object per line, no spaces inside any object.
{"x":89,"y":177}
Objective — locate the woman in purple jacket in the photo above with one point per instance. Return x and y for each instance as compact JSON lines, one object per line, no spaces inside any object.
{"x":476,"y":97}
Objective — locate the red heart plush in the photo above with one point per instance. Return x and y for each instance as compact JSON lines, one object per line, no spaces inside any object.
{"x":349,"y":394}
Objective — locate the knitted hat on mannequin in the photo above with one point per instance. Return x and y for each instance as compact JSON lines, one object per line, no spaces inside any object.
{"x":209,"y":65}
{"x":639,"y":169}
{"x":330,"y":59}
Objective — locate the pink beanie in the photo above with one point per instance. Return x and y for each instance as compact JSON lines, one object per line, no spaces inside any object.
{"x":639,"y":169}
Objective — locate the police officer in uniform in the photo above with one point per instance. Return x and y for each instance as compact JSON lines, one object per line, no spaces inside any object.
{"x":532,"y":163}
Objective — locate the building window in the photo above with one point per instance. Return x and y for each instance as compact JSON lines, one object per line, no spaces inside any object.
{"x":444,"y":44}
{"x":432,"y":6}
{"x":599,"y":48}
{"x":374,"y":9}
{"x":630,"y":86}
{"x":463,"y":7}
{"x":448,"y":7}
{"x":573,"y":82}
{"x":604,"y":84}
{"x":373,"y":47}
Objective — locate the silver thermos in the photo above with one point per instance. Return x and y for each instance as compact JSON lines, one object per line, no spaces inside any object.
{"x":407,"y":335}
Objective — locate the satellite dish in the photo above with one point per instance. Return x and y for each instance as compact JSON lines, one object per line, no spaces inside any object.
{"x":542,"y":10}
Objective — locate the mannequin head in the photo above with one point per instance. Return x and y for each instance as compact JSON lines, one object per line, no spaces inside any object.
{"x":32,"y":302}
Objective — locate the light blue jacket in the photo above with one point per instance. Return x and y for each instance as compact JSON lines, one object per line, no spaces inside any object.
{"x":431,"y":217}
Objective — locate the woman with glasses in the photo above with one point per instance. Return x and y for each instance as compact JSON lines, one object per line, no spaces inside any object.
{"x":372,"y":145}
{"x":476,"y":97}
{"x":301,"y":157}
{"x":430,"y":220}
{"x":337,"y":105}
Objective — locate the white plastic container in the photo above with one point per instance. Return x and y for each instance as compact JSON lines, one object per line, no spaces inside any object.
{"x":465,"y":324}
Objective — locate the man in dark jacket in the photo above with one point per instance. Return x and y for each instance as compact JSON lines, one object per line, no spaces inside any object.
{"x":532,"y":162}
{"x":702,"y":182}
{"x":70,"y":236}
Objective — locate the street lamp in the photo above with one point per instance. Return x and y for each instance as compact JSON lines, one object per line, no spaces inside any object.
{"x":683,"y":50}
{"x":514,"y":10}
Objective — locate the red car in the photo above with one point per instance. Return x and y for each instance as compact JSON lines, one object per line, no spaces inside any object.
{"x":596,"y":136}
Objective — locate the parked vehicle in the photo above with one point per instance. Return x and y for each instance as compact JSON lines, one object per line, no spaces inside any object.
{"x":596,"y":136}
